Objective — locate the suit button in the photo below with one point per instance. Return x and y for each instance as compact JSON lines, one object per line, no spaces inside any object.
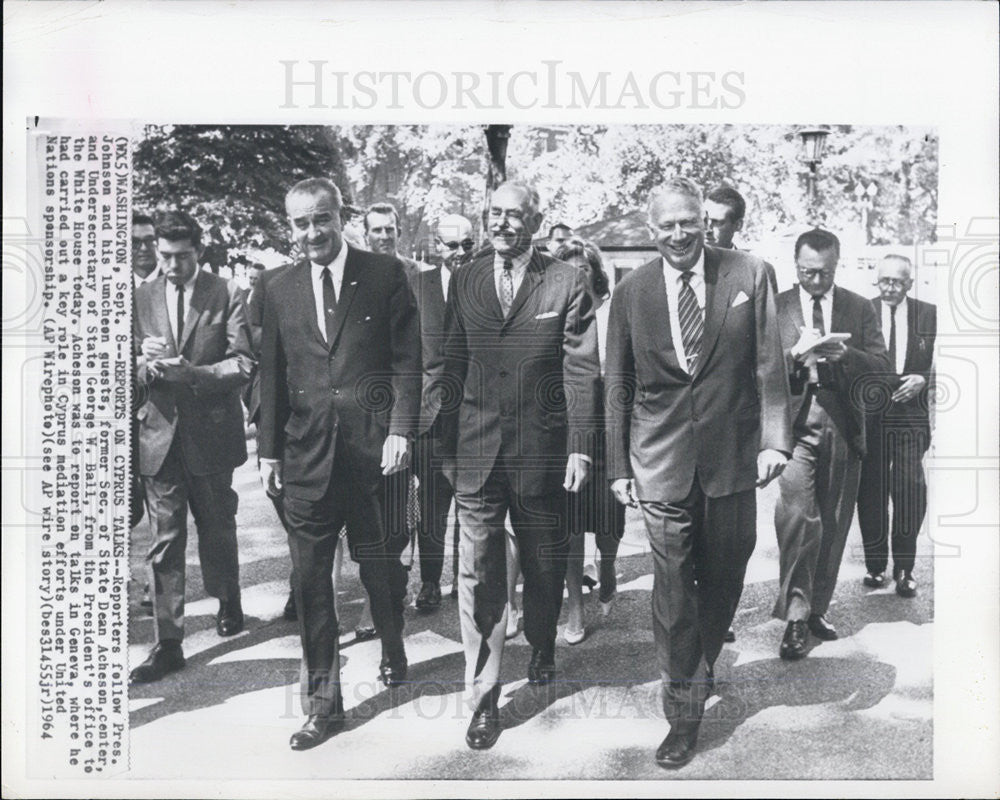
{"x":503,"y":373}
{"x":336,"y":391}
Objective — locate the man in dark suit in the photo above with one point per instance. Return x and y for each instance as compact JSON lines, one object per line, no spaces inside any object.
{"x":829,"y":383}
{"x":339,"y":395}
{"x":899,"y":433}
{"x":193,"y":355}
{"x":519,"y":394}
{"x":725,"y":210}
{"x":696,"y":403}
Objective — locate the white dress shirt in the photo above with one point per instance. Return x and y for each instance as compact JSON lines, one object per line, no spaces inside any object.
{"x":673,"y":281}
{"x":517,"y":271}
{"x":902,"y":331}
{"x":825,"y":305}
{"x":171,"y":296}
{"x":336,"y":268}
{"x":446,"y":280}
{"x":137,"y":281}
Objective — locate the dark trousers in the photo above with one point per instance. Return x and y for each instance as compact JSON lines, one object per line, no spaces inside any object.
{"x":435,"y":501}
{"x":701,"y":546}
{"x":892,"y":469}
{"x":313,"y":529}
{"x":213,"y":504}
{"x":539,"y":525}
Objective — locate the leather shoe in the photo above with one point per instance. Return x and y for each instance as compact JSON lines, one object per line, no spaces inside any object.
{"x":821,"y":628}
{"x":793,"y":645}
{"x":364,"y":633}
{"x":229,"y":620}
{"x":874,"y":580}
{"x":163,"y":659}
{"x":542,"y":667}
{"x":291,"y":613}
{"x":677,"y":749}
{"x":316,"y":730}
{"x":906,"y":586}
{"x":429,"y":598}
{"x":392,"y":674}
{"x":730,"y":636}
{"x":484,"y":730}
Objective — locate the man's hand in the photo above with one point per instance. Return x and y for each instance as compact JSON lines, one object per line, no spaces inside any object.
{"x":831,"y":351}
{"x":807,"y":340}
{"x":395,"y":454}
{"x":909,"y":388}
{"x":153,"y":347}
{"x":624,"y":491}
{"x":270,"y":476}
{"x":577,"y":470}
{"x":175,"y":370}
{"x":770,"y":464}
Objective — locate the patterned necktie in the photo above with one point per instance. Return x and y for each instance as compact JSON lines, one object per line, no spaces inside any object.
{"x":507,"y":286}
{"x":692,"y":322}
{"x":818,"y":317}
{"x":329,"y":304}
{"x":892,"y":337}
{"x":180,"y":315}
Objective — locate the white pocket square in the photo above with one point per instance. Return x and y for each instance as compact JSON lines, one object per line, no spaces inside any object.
{"x":547,"y":315}
{"x":740,"y":299}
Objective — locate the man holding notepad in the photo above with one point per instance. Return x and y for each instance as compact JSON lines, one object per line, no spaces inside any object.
{"x":833,"y":347}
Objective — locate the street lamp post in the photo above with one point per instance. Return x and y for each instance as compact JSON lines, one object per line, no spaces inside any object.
{"x":813,"y":146}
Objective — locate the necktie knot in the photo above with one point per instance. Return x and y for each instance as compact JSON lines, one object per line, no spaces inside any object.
{"x":686,"y":276}
{"x":508,"y":265}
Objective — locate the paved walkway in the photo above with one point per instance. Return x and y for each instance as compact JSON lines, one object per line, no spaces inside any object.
{"x":858,"y":708}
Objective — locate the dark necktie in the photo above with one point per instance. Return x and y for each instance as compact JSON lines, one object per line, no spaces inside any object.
{"x":892,"y":337}
{"x":818,"y":317}
{"x":329,"y":305}
{"x":507,"y":286}
{"x":692,"y":322}
{"x":180,"y":315}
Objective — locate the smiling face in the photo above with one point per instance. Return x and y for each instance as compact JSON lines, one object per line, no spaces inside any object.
{"x":677,"y":223}
{"x":513,"y":220}
{"x":315,"y":223}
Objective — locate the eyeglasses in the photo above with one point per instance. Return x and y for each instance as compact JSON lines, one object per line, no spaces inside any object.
{"x":465,"y":244}
{"x":893,"y":283}
{"x":815,"y":274}
{"x":144,"y":241}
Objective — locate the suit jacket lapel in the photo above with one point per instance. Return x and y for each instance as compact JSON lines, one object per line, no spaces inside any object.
{"x":718,"y":292}
{"x":195,"y":308}
{"x":348,"y":287}
{"x":434,"y":297}
{"x":654,"y":311}
{"x":912,"y":334}
{"x":483,"y":288}
{"x":793,"y":319}
{"x":532,"y":280}
{"x":161,"y":319}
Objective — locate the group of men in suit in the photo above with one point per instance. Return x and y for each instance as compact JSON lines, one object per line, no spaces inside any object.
{"x":487,"y":377}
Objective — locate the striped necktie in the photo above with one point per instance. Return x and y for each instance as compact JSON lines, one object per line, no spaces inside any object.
{"x":692,"y":322}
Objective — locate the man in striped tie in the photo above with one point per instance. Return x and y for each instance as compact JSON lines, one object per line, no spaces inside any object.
{"x":696,"y":418}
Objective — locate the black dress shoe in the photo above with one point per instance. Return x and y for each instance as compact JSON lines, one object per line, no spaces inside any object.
{"x":316,"y":730}
{"x":392,"y":674}
{"x":163,"y":659}
{"x":484,"y":730}
{"x":229,"y":620}
{"x":430,"y":596}
{"x":291,"y":613}
{"x":677,"y":749}
{"x":874,"y":580}
{"x":822,"y":629}
{"x":906,"y":586}
{"x":730,"y":636}
{"x":793,"y":645}
{"x":364,"y":632}
{"x":542,"y":667}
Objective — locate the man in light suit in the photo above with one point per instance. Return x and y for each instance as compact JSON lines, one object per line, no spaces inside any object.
{"x":830,"y":386}
{"x":194,"y":355}
{"x":899,"y":432}
{"x":520,"y":380}
{"x":696,"y":403}
{"x":339,"y":395}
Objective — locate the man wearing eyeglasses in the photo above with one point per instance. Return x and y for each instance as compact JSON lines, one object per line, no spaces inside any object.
{"x":899,"y":432}
{"x":518,"y":395}
{"x":828,"y":377}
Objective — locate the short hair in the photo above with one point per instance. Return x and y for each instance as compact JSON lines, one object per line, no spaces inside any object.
{"x":533,"y":197}
{"x":580,"y":248}
{"x":557,"y":226}
{"x":728,"y":196}
{"x":898,"y":257}
{"x":176,"y":226}
{"x":676,"y":185}
{"x":382,"y":208}
{"x":819,"y":240}
{"x":139,"y":218}
{"x":317,"y":186}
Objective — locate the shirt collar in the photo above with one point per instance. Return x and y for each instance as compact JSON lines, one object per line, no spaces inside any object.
{"x":189,"y":284}
{"x":336,"y":266}
{"x":519,"y":262}
{"x":698,"y":269}
{"x":808,"y":298}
